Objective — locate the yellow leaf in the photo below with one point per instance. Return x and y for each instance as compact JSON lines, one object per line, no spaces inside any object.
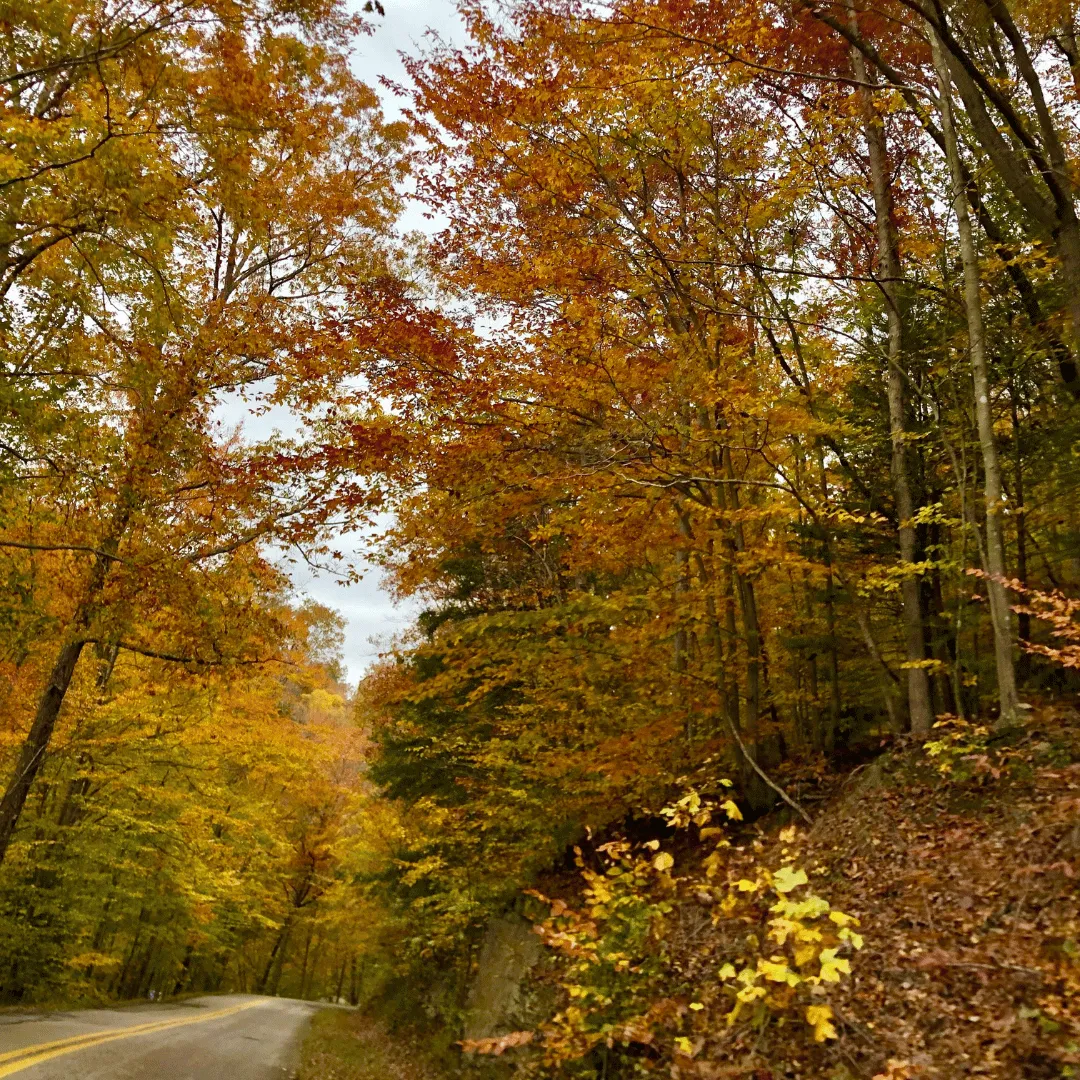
{"x":819,"y":1017}
{"x":832,"y":966}
{"x":855,"y":940}
{"x":776,"y":970}
{"x":663,"y":861}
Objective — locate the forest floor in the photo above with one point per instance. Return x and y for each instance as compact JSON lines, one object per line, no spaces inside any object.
{"x":960,"y":857}
{"x":964,"y":869}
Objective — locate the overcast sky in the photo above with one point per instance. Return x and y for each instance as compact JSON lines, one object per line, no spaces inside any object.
{"x":402,"y":29}
{"x":372,"y":618}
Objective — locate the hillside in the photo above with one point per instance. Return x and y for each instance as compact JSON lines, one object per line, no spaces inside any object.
{"x":960,"y":867}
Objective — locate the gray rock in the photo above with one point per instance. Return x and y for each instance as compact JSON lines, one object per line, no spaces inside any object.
{"x":508,"y":953}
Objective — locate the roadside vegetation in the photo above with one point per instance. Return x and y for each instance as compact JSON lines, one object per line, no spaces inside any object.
{"x":350,"y":1045}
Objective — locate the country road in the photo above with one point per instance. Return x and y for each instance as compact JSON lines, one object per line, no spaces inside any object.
{"x":233,"y":1037}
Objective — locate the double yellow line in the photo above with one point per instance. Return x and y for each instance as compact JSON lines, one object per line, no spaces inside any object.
{"x":16,"y":1060}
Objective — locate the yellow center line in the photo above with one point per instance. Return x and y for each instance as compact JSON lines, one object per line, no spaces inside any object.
{"x":34,"y":1055}
{"x":71,"y":1040}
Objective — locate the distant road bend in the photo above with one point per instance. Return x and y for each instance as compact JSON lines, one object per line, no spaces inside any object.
{"x":233,"y":1037}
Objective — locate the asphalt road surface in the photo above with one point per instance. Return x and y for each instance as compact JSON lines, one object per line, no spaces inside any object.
{"x":233,"y":1037}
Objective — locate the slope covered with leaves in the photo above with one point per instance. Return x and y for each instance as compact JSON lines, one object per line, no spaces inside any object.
{"x":925,"y":925}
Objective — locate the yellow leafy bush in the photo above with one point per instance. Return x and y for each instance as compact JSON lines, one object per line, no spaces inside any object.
{"x":624,"y":991}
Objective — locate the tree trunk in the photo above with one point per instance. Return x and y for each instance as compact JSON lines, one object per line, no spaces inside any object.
{"x":755,"y":752}
{"x":354,"y":987}
{"x":340,"y":982}
{"x":1068,"y":251}
{"x":682,"y":587}
{"x":748,"y":609}
{"x":992,"y":484}
{"x":34,"y":746}
{"x":918,"y":684}
{"x":1023,"y":620}
{"x":828,"y":741}
{"x":144,"y":449}
{"x":268,"y":984}
{"x":311,"y":986}
{"x":307,"y":955}
{"x":32,"y":752}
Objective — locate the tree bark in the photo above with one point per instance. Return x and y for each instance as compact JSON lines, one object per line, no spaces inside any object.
{"x":340,"y":983}
{"x":749,"y":610}
{"x":33,"y":749}
{"x":268,"y":984}
{"x":920,"y":711}
{"x":32,"y":752}
{"x":146,"y":445}
{"x":1020,"y":514}
{"x":1000,"y":614}
{"x":828,"y":741}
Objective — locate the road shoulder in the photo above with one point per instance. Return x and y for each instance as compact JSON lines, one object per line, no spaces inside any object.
{"x":350,"y":1045}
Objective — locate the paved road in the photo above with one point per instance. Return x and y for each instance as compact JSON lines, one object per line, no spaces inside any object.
{"x":233,"y":1037}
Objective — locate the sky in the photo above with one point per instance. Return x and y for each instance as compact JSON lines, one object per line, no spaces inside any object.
{"x":371,"y":615}
{"x":402,"y":29}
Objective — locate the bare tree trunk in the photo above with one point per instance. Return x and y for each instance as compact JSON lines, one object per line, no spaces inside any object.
{"x":184,"y":974}
{"x":32,"y":752}
{"x":992,"y":485}
{"x":268,"y":984}
{"x":682,"y":588}
{"x":829,"y":735}
{"x":1023,"y":619}
{"x":145,"y":445}
{"x":918,"y":684}
{"x":307,"y":956}
{"x":751,"y":622}
{"x":354,"y":985}
{"x":310,"y":987}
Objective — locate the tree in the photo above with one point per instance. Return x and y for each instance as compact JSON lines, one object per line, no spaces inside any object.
{"x":231,"y":287}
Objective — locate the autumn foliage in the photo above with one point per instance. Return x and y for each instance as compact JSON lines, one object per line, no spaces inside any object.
{"x":190,"y":192}
{"x":724,"y":431}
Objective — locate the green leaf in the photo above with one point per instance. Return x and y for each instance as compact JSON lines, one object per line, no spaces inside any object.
{"x":832,"y":966}
{"x":785,"y":879}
